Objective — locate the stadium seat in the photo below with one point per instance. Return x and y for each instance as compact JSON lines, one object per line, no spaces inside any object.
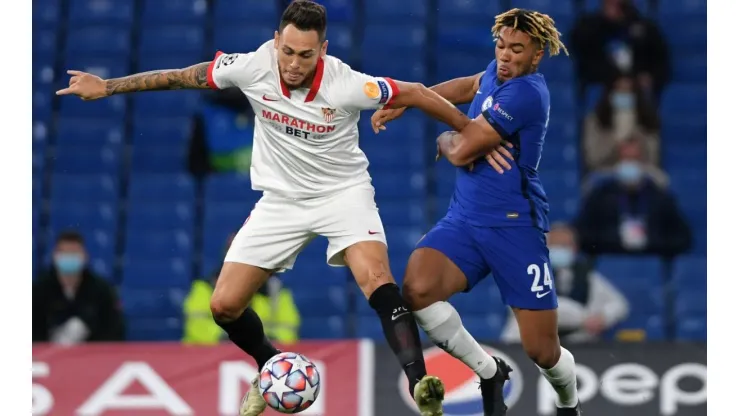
{"x":228,"y":187}
{"x":99,"y":40}
{"x":341,"y":42}
{"x":240,"y":38}
{"x":89,"y":132}
{"x":102,"y":66}
{"x":690,"y":272}
{"x":382,"y":38}
{"x":42,"y":102}
{"x":465,"y":38}
{"x":636,"y":270}
{"x":111,"y":107}
{"x":95,"y":217}
{"x":690,"y":67}
{"x":690,"y":302}
{"x":339,"y":11}
{"x":403,"y":239}
{"x":175,"y":11}
{"x":684,"y":100}
{"x":368,"y":326}
{"x":88,"y":160}
{"x":161,"y":187}
{"x":328,"y":301}
{"x":152,"y":303}
{"x":558,"y":70}
{"x":684,"y":131}
{"x":44,"y":41}
{"x":477,"y":12}
{"x":399,"y":185}
{"x":403,"y":212}
{"x":43,"y":69}
{"x":160,"y":273}
{"x":157,"y":158}
{"x":164,"y":216}
{"x":154,"y":329}
{"x":172,"y":39}
{"x":322,"y":327}
{"x":46,"y":12}
{"x":380,"y":11}
{"x":241,"y":12}
{"x":692,"y":154}
{"x":409,"y":65}
{"x":459,"y":64}
{"x":683,"y":8}
{"x":152,"y":243}
{"x":162,"y":60}
{"x":692,"y":329}
{"x":84,"y":12}
{"x":66,"y":188}
{"x":168,"y":113}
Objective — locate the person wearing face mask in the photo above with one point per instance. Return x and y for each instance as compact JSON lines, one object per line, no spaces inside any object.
{"x":588,"y":303}
{"x":619,"y":40}
{"x":71,"y":304}
{"x":623,"y":113}
{"x":631,"y":211}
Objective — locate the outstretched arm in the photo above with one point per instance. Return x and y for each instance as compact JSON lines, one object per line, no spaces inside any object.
{"x":407,"y":94}
{"x":192,"y":77}
{"x":459,"y":90}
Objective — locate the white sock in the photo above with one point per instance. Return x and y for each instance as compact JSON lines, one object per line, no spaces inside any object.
{"x":562,"y":378}
{"x":443,"y":325}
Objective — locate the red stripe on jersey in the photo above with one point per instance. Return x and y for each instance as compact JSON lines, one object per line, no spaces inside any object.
{"x":394,"y":90}
{"x":316,"y":81}
{"x":211,"y":82}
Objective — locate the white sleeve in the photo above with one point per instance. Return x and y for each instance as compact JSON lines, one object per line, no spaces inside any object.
{"x":364,"y":92}
{"x":233,"y":70}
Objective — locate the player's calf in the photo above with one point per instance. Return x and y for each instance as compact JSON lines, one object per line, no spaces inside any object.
{"x":235,"y":287}
{"x":370,"y":266}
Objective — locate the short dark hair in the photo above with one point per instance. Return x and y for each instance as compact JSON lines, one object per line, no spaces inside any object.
{"x":70,"y":236}
{"x":305,"y":15}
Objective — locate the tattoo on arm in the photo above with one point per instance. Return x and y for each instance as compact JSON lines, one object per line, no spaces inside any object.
{"x":193,"y":77}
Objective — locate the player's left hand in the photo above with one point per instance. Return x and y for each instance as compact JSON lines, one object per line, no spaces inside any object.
{"x":497,"y":158}
{"x":381,"y":117}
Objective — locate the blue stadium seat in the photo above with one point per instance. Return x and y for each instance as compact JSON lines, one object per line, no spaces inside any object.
{"x":368,"y":326}
{"x":634,"y":270}
{"x":165,"y":112}
{"x":404,"y":159}
{"x":562,"y":128}
{"x":690,"y":302}
{"x":382,"y":38}
{"x":595,"y":5}
{"x":684,"y":131}
{"x":38,"y":157}
{"x":403,"y":240}
{"x":148,"y":244}
{"x":227,"y":187}
{"x":558,"y":69}
{"x":43,"y":69}
{"x":408,"y":66}
{"x":43,"y":97}
{"x":403,"y":212}
{"x":558,"y":154}
{"x":407,"y":131}
{"x":163,"y":60}
{"x":102,"y":66}
{"x":692,"y":154}
{"x":399,"y":185}
{"x":214,"y":241}
{"x":164,"y":216}
{"x":101,"y":40}
{"x":91,"y":160}
{"x":682,"y":8}
{"x":560,"y":183}
{"x":322,"y":327}
{"x":690,"y":272}
{"x":689,"y":67}
{"x":46,"y":12}
{"x":562,"y":100}
{"x":328,"y":301}
{"x":44,"y":42}
{"x":175,"y":11}
{"x":692,"y":329}
{"x":241,"y":12}
{"x":465,"y":38}
{"x":684,"y":100}
{"x":172,"y":39}
{"x":157,"y":274}
{"x":240,"y":38}
{"x":478,"y":12}
{"x":653,"y":325}
{"x":152,"y":303}
{"x":89,"y":132}
{"x":154,"y":329}
{"x":67,"y":188}
{"x":157,"y":158}
{"x":341,"y":42}
{"x":339,"y":11}
{"x":111,"y":107}
{"x":101,"y":11}
{"x":689,"y":184}
{"x":379,"y":11}
{"x":161,"y":187}
{"x":100,"y":217}
{"x":232,"y":213}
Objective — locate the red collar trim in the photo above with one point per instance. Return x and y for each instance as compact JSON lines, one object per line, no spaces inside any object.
{"x":315,"y":85}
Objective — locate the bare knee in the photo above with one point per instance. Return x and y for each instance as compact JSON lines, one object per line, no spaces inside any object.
{"x":376,"y":274}
{"x":224,"y":310}
{"x":418,"y":292}
{"x":369,"y":263}
{"x":545,"y":353}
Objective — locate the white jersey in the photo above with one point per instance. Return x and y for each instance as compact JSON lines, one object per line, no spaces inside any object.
{"x":306,"y":141}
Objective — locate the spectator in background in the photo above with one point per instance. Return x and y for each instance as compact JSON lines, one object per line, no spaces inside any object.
{"x":618,"y":40}
{"x":629,"y":210}
{"x":71,"y":304}
{"x":222,"y":135}
{"x":622,"y":113}
{"x":588,"y":304}
{"x":273,"y":304}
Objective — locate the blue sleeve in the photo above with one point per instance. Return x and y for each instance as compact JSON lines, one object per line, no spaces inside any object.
{"x":512,"y":107}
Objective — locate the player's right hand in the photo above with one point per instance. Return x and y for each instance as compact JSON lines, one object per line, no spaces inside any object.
{"x":497,"y":158}
{"x":84,"y":85}
{"x":381,"y":117}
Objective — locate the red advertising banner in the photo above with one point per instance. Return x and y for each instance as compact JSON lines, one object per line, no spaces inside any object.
{"x":172,"y":379}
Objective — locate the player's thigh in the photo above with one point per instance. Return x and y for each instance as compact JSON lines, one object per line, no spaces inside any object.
{"x":518,"y":258}
{"x":446,"y":261}
{"x":236,"y":284}
{"x":538,"y":330}
{"x":273,"y":235}
{"x":348,"y":218}
{"x":368,"y":261}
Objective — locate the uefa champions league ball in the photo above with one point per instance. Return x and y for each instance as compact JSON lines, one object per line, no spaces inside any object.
{"x":289,"y":382}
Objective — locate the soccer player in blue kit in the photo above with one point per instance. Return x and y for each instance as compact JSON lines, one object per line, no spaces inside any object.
{"x":497,"y":221}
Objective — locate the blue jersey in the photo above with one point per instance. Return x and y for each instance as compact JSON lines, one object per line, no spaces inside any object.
{"x":519,"y":110}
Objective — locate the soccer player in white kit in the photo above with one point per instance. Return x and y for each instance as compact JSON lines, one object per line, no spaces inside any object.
{"x":313,"y":175}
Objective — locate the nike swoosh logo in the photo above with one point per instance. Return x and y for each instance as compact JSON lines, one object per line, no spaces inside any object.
{"x":394,"y":317}
{"x":373,"y":232}
{"x":266,"y":98}
{"x":542,"y":295}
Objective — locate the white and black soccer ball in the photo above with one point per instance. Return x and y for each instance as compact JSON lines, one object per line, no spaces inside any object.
{"x":289,"y":382}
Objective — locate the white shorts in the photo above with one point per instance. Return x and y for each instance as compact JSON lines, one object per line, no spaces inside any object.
{"x":278,"y":228}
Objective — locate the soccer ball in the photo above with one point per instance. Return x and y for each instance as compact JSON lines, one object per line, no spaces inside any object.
{"x":289,"y":382}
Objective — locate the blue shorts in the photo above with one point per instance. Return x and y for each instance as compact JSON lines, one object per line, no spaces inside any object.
{"x":517,"y":257}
